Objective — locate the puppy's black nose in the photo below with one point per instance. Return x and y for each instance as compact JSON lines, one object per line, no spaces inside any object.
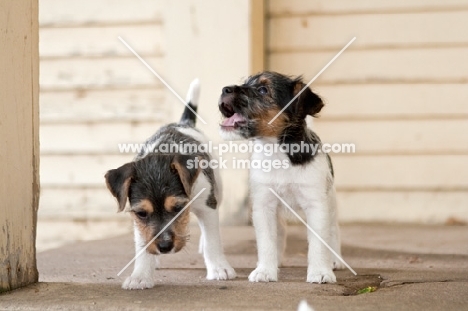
{"x":165,"y":246}
{"x":227,"y":90}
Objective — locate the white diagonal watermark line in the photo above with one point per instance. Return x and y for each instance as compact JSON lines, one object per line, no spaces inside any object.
{"x":160,"y":78}
{"x":313,"y":79}
{"x":313,"y":231}
{"x":159,"y":233}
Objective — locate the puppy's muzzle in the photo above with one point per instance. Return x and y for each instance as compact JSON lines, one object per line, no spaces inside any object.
{"x":165,"y":243}
{"x":227,"y":99}
{"x":227,"y":107}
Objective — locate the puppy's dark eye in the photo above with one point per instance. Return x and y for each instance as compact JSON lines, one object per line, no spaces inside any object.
{"x":262,"y":90}
{"x":178,"y":208}
{"x":142,"y":214}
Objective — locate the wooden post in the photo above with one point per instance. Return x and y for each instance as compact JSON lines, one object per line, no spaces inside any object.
{"x":19,"y":142}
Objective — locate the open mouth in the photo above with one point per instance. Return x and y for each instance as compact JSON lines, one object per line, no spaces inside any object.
{"x":233,"y":122}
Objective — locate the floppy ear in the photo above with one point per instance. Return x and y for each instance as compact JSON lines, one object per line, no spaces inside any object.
{"x":308,"y":103}
{"x":185,"y":167}
{"x":118,"y":181}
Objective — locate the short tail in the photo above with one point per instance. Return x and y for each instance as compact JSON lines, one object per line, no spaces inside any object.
{"x":188,"y":116}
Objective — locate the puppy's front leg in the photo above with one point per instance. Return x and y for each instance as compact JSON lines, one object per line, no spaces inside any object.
{"x":145,"y":264}
{"x":264,"y":220}
{"x":217,"y":267}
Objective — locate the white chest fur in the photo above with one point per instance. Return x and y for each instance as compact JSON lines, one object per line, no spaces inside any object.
{"x":295,"y":183}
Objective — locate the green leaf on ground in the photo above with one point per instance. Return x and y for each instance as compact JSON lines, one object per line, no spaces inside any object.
{"x":365,"y":290}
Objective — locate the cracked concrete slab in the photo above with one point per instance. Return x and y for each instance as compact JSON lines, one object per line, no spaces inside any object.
{"x":411,"y":268}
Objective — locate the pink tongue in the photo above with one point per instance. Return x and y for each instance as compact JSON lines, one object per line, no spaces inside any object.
{"x":233,"y":119}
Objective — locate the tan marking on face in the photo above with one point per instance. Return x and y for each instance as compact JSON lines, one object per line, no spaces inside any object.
{"x":180,"y":229}
{"x":275,"y":128}
{"x":145,"y":205}
{"x":264,"y":116}
{"x":171,"y":202}
{"x":146,"y":231}
{"x":264,"y":80}
{"x":267,"y":82}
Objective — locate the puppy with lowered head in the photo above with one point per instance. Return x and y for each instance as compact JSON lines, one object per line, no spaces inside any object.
{"x":158,"y":187}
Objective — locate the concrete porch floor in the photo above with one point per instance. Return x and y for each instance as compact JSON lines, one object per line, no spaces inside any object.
{"x":412,"y":268}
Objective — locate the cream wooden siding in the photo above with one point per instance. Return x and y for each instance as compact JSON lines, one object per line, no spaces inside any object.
{"x":94,"y":95}
{"x":400,"y":93}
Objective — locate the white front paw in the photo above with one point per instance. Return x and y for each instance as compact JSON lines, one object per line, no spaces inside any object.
{"x":221,"y":271}
{"x":321,"y":276}
{"x":133,"y":282}
{"x":262,"y":274}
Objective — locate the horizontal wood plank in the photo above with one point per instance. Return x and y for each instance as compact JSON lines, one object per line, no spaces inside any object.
{"x":367,"y":206}
{"x":72,"y":73}
{"x":305,"y":7}
{"x":103,"y":105}
{"x":100,"y":41}
{"x":393,"y":100}
{"x":90,"y":12}
{"x":442,"y":65}
{"x":55,"y":232}
{"x":380,"y":137}
{"x":443,"y":172}
{"x":361,"y":101}
{"x":371,"y":30}
{"x":79,"y":170}
{"x":397,"y":137}
{"x":410,"y":207}
{"x":358,"y":172}
{"x":96,"y":137}
{"x":89,"y":203}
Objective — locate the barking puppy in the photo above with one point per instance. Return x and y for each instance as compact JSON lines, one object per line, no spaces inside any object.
{"x":305,"y":183}
{"x":158,"y":186}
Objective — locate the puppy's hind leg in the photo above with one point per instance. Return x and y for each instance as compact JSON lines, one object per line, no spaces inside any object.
{"x":281,"y":237}
{"x":335,"y":240}
{"x":319,"y":268}
{"x":217,"y":266}
{"x":314,"y":202}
